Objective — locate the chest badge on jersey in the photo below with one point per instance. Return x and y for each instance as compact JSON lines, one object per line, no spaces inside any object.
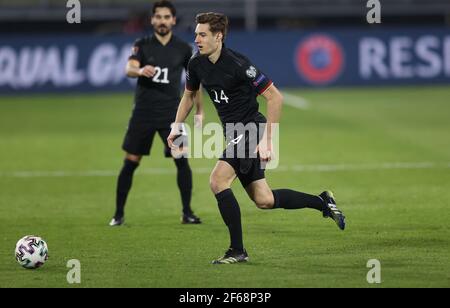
{"x":251,"y":72}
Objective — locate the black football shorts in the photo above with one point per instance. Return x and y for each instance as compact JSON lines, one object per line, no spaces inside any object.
{"x":248,"y":167}
{"x":139,"y":138}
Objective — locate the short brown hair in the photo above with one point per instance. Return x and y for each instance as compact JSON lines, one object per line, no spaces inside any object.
{"x":165,"y":4}
{"x":217,"y":22}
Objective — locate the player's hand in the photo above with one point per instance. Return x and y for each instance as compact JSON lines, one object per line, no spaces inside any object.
{"x":174,"y":134}
{"x":147,"y":71}
{"x":171,"y":139}
{"x":264,"y":149}
{"x":198,"y":120}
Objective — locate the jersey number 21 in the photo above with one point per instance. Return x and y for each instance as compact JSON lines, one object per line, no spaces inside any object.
{"x":161,"y":75}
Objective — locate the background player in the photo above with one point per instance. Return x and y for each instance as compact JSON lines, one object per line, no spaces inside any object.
{"x":233,"y":84}
{"x":157,"y":62}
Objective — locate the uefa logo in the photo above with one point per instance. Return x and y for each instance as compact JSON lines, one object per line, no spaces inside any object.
{"x":319,"y":59}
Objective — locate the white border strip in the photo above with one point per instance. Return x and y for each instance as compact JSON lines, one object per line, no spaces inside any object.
{"x":294,"y":168}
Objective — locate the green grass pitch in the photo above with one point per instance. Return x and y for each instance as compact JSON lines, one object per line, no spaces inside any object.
{"x":385,"y":152}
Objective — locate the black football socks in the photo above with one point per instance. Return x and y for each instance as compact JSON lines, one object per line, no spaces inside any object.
{"x":292,"y":200}
{"x":231,"y":214}
{"x":124,"y":185}
{"x":184,"y":180}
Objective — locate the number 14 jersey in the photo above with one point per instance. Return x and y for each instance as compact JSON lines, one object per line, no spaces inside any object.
{"x":233,"y":84}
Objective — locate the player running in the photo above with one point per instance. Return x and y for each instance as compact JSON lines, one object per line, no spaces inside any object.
{"x":233,"y":84}
{"x":157,"y":62}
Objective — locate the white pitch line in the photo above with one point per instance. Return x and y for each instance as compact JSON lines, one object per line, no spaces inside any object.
{"x":295,"y":101}
{"x":362,"y":167}
{"x":294,"y":168}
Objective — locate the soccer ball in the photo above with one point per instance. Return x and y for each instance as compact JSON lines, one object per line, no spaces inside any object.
{"x":31,"y":252}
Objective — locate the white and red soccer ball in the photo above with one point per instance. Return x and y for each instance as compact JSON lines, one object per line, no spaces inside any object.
{"x":31,"y":252}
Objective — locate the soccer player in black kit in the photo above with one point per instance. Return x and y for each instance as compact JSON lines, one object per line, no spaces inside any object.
{"x":233,"y":84}
{"x":157,"y":62}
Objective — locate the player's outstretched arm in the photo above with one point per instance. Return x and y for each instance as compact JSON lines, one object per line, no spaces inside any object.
{"x":134,"y":70}
{"x":274,"y":100}
{"x":274,"y":104}
{"x":185,"y":107}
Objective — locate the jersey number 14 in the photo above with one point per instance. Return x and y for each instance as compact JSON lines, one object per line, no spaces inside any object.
{"x":223,"y":97}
